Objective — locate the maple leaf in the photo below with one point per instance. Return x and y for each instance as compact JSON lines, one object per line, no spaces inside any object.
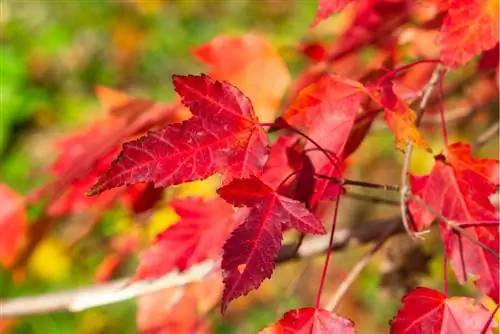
{"x":199,"y":235}
{"x":326,"y":112}
{"x":311,"y":321}
{"x":468,"y":260}
{"x":222,"y":136}
{"x":470,"y":26}
{"x":398,"y":115}
{"x":460,"y":157}
{"x":458,"y":192}
{"x":251,"y":64}
{"x":251,"y":250}
{"x":13,"y":224}
{"x":278,"y":166}
{"x":327,"y":8}
{"x":428,"y":311}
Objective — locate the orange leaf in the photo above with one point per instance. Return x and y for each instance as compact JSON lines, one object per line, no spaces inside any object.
{"x":398,"y":115}
{"x":471,"y":26}
{"x":252,"y":65}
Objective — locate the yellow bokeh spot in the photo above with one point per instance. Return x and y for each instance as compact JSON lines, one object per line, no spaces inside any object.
{"x":421,"y":161}
{"x":91,"y":322}
{"x":204,"y":188}
{"x":50,"y":261}
{"x":160,"y":220}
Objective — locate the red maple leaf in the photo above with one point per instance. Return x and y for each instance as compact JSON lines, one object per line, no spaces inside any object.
{"x":278,"y":167}
{"x":251,"y":250}
{"x":468,"y":260}
{"x":13,"y":224}
{"x":470,"y":26}
{"x":461,"y":194}
{"x":427,"y":311}
{"x":460,"y":157}
{"x":326,"y":111}
{"x":222,"y":136}
{"x":458,"y":189}
{"x":309,"y":320}
{"x":327,"y":8}
{"x":199,"y":235}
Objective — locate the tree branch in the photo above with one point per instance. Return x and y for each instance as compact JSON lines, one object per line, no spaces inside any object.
{"x":409,"y":148}
{"x":76,"y":300}
{"x":488,"y":134}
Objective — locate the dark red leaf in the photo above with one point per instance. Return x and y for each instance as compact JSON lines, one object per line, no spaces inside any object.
{"x":305,"y":180}
{"x":427,"y":311}
{"x":142,"y":197}
{"x":251,"y":250}
{"x":309,"y":320}
{"x":222,"y":136}
{"x":278,"y":165}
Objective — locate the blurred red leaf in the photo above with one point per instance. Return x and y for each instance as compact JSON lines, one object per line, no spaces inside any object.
{"x":199,"y":235}
{"x":251,"y":250}
{"x":311,"y":321}
{"x":13,"y":224}
{"x":316,"y":51}
{"x":222,"y":136}
{"x":142,"y":197}
{"x":123,"y":246}
{"x":428,"y":311}
{"x":327,"y":8}
{"x":469,"y":27}
{"x":250,"y":63}
{"x":178,"y":310}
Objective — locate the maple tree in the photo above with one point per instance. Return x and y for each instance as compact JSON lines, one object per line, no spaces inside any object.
{"x":280,"y":158}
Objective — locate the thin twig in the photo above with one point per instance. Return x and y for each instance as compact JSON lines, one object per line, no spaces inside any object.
{"x":357,"y":269}
{"x":486,"y":136}
{"x":364,"y":184}
{"x":409,"y":149}
{"x":371,"y":199}
{"x":75,"y":300}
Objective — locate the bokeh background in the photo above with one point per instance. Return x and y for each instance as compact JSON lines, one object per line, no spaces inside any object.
{"x":53,"y":55}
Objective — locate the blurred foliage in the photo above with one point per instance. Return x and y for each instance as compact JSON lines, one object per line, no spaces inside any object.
{"x":53,"y":55}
